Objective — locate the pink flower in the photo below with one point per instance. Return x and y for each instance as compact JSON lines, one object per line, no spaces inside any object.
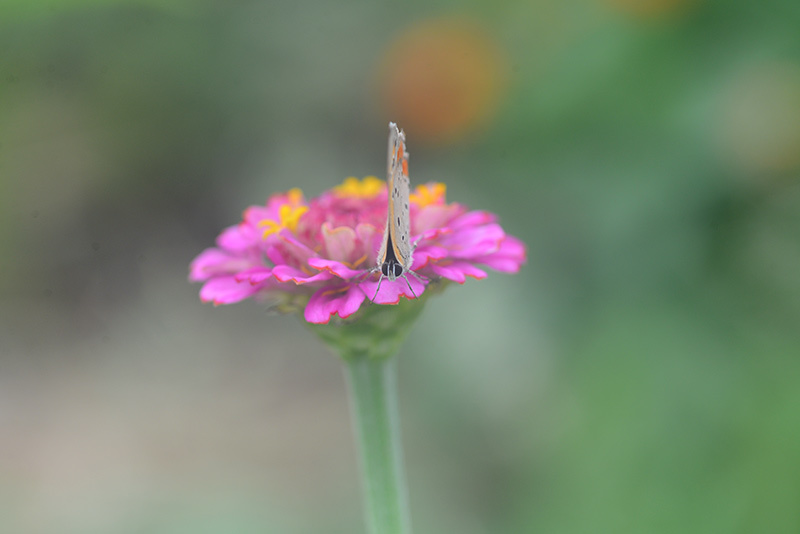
{"x":317,"y":255}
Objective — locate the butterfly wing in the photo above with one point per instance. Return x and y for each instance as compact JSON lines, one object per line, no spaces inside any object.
{"x":397,"y":219}
{"x":398,"y":224}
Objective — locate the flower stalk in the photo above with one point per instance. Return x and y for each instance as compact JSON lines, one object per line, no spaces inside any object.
{"x":372,"y":385}
{"x":367,"y":345}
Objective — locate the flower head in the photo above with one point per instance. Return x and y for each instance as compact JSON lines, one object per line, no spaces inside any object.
{"x":319,"y":255}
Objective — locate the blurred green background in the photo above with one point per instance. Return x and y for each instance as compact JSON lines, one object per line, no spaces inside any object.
{"x":640,"y":375}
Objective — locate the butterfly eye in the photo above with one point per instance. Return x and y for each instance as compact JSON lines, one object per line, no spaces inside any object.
{"x":397,"y":269}
{"x":385,"y":268}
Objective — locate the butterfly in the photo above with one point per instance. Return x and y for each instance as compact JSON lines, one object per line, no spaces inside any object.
{"x":395,"y":256}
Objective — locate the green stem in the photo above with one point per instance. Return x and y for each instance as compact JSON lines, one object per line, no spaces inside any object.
{"x":373,"y":401}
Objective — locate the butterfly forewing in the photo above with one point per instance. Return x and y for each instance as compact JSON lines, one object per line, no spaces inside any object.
{"x":398,"y":223}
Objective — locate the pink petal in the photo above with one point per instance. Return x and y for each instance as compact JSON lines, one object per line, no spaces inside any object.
{"x":277,"y":200}
{"x":294,"y":248}
{"x":390,"y":292}
{"x":336,"y":268}
{"x":433,"y":216}
{"x":276,"y":255}
{"x":504,"y":265}
{"x":255,"y":275}
{"x":326,"y":302}
{"x":473,"y":218}
{"x":423,"y":255}
{"x":513,"y":247}
{"x":475,"y":241}
{"x":253,"y":215}
{"x":226,"y":290}
{"x":213,"y":261}
{"x":458,"y":271}
{"x":370,"y":239}
{"x":340,"y":243}
{"x":237,"y":238}
{"x":285,"y":273}
{"x":510,"y":256}
{"x":433,"y":234}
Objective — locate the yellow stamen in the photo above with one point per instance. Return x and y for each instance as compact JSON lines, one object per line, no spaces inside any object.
{"x":295,"y":196}
{"x":270,"y":227}
{"x":289,"y":218}
{"x":426,"y":194}
{"x":366,"y":188}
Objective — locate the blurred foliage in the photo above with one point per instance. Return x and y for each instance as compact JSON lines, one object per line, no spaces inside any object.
{"x":640,"y":374}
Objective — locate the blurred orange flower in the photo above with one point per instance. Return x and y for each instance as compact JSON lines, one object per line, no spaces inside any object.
{"x":442,"y":78}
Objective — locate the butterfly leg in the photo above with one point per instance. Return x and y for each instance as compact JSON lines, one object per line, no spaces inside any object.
{"x":409,"y":283}
{"x":366,"y":275}
{"x":379,"y":288}
{"x":415,"y":243}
